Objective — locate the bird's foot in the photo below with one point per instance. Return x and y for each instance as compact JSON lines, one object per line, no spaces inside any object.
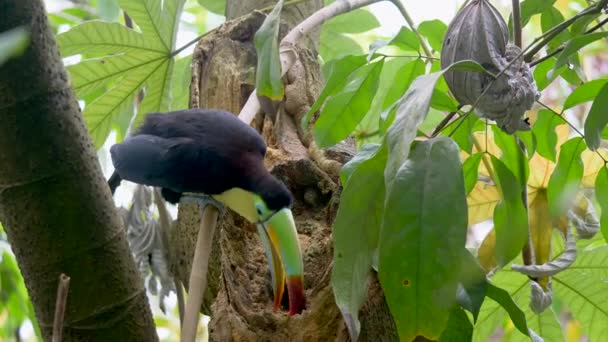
{"x":203,"y":200}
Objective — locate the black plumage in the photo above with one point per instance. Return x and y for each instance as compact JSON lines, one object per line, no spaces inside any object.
{"x":196,"y":150}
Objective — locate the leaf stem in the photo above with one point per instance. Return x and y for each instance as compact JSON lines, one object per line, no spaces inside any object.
{"x":176,"y":52}
{"x":544,"y":39}
{"x":410,"y":23}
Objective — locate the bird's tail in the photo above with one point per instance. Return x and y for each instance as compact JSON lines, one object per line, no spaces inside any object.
{"x":114,"y":182}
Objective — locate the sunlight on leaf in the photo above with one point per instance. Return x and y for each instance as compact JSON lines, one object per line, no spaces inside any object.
{"x":127,"y":61}
{"x":433,"y":31}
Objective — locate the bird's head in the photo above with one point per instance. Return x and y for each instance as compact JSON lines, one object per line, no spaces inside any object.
{"x":271,"y":212}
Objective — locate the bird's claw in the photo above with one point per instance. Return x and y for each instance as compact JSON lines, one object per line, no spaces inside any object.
{"x":203,"y":200}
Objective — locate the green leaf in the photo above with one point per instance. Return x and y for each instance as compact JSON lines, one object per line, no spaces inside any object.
{"x":182,"y":76}
{"x":580,"y":25}
{"x":355,"y":232}
{"x":586,"y":92}
{"x":433,"y":30}
{"x":357,"y":21}
{"x":549,"y":18}
{"x":512,"y":155}
{"x":566,"y":178}
{"x":575,"y":45}
{"x":365,"y":153}
{"x":108,"y":9}
{"x":411,"y":112}
{"x":402,"y":80}
{"x":459,"y":327}
{"x":421,"y":250}
{"x":215,"y":6}
{"x":344,"y":111}
{"x":473,"y":285}
{"x":545,"y":127}
{"x":464,"y":134}
{"x":470,"y":169}
{"x":268,"y":73}
{"x":13,"y":43}
{"x":601,"y":194}
{"x":335,"y":45}
{"x":583,"y":287}
{"x":503,"y":298}
{"x":338,"y":76}
{"x":128,"y":63}
{"x":530,"y":8}
{"x":597,"y":119}
{"x":510,"y":217}
{"x":529,"y":140}
{"x":406,"y":40}
{"x":441,"y":101}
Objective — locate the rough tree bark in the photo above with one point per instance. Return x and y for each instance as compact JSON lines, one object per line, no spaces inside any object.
{"x":239,"y":297}
{"x":54,"y":202}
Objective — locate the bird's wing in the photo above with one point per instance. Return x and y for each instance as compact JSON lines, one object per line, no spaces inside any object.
{"x":149,"y":160}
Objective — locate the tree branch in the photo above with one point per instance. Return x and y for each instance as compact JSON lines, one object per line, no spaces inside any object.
{"x":62,"y":298}
{"x":543,"y":40}
{"x":198,"y":274}
{"x":516,"y":23}
{"x":287,"y":45}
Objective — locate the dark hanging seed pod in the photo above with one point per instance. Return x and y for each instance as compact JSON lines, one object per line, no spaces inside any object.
{"x":479,"y":33}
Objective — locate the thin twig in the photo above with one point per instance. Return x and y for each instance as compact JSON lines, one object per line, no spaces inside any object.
{"x":198,"y":273}
{"x":410,"y":23}
{"x":409,"y":56}
{"x":60,"y":304}
{"x":287,"y":45}
{"x":561,"y":48}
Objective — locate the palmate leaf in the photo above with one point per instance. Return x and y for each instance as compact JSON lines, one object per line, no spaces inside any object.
{"x":125,"y":62}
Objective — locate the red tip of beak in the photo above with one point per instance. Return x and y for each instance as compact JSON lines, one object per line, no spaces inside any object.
{"x":297,"y":299}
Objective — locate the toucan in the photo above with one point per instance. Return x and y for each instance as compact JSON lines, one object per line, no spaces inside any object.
{"x":214,"y":153}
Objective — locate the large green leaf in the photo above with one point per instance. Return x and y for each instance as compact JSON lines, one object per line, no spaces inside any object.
{"x":601,"y":194}
{"x":336,"y":45}
{"x":544,"y":127}
{"x":530,"y":8}
{"x":586,"y":92}
{"x":422,"y":238}
{"x":510,"y":217}
{"x":402,"y":80}
{"x":459,"y":327}
{"x":583,"y":287}
{"x":566,"y":178}
{"x":344,"y":111}
{"x":355,"y":232}
{"x":339,"y":72}
{"x":406,"y":39}
{"x":597,"y":119}
{"x":365,"y":153}
{"x":12,"y":43}
{"x":433,"y":31}
{"x":463,"y":135}
{"x":268,"y":73}
{"x":411,"y":111}
{"x":127,"y":62}
{"x":334,"y":40}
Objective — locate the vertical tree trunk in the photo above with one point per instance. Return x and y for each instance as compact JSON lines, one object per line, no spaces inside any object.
{"x":223,"y":76}
{"x":54,"y":203}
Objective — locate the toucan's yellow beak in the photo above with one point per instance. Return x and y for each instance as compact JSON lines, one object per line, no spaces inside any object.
{"x":280,"y":240}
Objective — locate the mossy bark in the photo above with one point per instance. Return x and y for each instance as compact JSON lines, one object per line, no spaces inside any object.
{"x":55,"y":205}
{"x":239,"y":292}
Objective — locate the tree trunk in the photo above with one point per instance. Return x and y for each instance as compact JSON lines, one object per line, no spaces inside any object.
{"x":54,"y":202}
{"x":240,"y":293}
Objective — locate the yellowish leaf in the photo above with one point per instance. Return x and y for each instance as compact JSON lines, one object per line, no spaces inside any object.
{"x":482,"y":201}
{"x":485,"y":254}
{"x":541,"y":227}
